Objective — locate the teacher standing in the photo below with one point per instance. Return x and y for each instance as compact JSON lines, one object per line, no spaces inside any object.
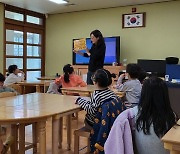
{"x":96,"y":54}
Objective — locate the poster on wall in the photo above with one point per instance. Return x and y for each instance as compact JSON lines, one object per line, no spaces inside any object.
{"x":133,"y":20}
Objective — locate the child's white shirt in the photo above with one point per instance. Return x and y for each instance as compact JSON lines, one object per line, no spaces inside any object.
{"x":12,"y":78}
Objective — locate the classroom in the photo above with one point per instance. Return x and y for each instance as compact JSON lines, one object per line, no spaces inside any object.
{"x":50,"y":30}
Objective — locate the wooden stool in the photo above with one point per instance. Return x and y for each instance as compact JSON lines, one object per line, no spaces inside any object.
{"x":84,"y":133}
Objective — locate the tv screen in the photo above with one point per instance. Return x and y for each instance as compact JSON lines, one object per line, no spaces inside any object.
{"x":157,"y":67}
{"x":112,"y":51}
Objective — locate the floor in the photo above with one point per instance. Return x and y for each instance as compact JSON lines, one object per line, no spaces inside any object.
{"x":75,"y":125}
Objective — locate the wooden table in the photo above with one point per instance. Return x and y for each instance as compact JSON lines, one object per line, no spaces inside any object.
{"x":172,"y":139}
{"x":47,"y":78}
{"x":36,"y":108}
{"x":86,"y":91}
{"x":36,"y":84}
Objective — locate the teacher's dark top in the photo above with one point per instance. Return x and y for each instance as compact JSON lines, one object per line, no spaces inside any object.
{"x":97,"y":57}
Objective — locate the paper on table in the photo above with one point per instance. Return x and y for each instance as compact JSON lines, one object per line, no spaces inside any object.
{"x":80,"y":44}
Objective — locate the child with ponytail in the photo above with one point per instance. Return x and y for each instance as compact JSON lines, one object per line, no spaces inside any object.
{"x":70,"y":79}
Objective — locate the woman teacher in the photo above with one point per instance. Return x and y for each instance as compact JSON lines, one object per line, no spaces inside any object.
{"x":96,"y":54}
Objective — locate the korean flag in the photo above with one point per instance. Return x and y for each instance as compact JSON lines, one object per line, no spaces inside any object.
{"x":133,"y":20}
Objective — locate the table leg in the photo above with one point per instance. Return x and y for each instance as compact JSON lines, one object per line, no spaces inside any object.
{"x":14,"y":133}
{"x":55,"y":136}
{"x":35,"y":136}
{"x":21,"y":138}
{"x":68,"y":123}
{"x":60,"y":131}
{"x":38,"y":88}
{"x":42,"y":137}
{"x":24,"y":89}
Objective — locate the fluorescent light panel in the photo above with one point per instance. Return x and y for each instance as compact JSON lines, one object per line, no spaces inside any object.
{"x":58,"y":1}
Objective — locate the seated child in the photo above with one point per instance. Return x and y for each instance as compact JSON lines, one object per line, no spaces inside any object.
{"x":151,"y":120}
{"x":102,"y":79}
{"x":2,"y":87}
{"x":70,"y":79}
{"x":132,"y":87}
{"x":13,"y":76}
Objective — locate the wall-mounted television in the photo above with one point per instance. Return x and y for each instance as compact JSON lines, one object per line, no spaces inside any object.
{"x":112,"y":51}
{"x":156,"y":67}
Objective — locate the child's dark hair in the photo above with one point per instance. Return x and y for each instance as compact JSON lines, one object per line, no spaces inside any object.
{"x":2,"y":78}
{"x":12,"y":68}
{"x":133,"y":70}
{"x":103,"y":77}
{"x":155,"y":108}
{"x":67,"y":69}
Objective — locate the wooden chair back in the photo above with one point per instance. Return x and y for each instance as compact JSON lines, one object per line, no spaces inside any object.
{"x":7,"y":94}
{"x":16,"y":87}
{"x":46,"y":85}
{"x":82,"y":132}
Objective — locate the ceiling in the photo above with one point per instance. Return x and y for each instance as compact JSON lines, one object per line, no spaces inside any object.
{"x":47,"y":7}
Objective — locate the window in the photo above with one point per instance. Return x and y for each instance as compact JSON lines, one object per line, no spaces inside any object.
{"x":24,"y":37}
{"x":14,"y":36}
{"x":34,"y":20}
{"x":16,"y":61}
{"x":14,"y":15}
{"x":34,"y":51}
{"x":14,"y":50}
{"x":33,"y":38}
{"x":31,"y":75}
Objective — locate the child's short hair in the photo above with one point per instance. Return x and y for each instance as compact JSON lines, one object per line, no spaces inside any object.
{"x":2,"y":78}
{"x":12,"y":68}
{"x":103,"y":78}
{"x":133,"y":70}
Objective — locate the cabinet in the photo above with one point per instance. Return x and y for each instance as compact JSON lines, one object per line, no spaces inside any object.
{"x":83,"y":69}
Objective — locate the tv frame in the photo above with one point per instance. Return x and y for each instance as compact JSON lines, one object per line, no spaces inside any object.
{"x":151,"y":65}
{"x":108,"y":64}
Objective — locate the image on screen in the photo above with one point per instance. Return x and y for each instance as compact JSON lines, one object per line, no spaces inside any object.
{"x":112,"y":51}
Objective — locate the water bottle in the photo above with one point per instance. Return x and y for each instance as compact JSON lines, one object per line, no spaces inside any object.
{"x":124,"y":62}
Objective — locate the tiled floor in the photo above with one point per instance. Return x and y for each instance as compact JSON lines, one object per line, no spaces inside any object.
{"x":75,"y":125}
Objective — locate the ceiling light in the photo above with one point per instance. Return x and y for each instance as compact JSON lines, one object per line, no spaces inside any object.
{"x":59,"y":1}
